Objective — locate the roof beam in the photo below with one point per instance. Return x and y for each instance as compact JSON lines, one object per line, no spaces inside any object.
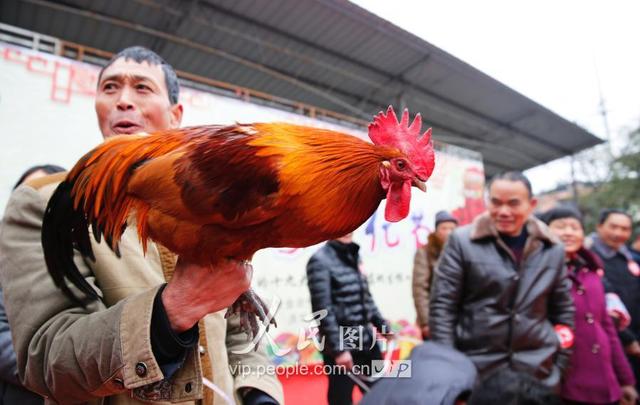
{"x":174,"y":24}
{"x":203,"y":48}
{"x":390,"y":76}
{"x":348,"y":58}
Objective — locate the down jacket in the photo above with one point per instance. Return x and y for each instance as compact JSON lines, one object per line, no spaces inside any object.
{"x":337,"y":285}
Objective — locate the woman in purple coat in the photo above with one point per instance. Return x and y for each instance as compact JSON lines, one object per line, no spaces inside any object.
{"x":599,"y":372}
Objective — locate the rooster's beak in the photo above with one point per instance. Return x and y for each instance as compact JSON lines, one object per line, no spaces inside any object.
{"x":419,"y":184}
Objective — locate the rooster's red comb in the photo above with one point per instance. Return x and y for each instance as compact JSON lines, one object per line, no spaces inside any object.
{"x":386,"y":130}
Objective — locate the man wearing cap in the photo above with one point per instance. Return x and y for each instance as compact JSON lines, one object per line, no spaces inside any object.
{"x":500,"y":291}
{"x":424,"y":263}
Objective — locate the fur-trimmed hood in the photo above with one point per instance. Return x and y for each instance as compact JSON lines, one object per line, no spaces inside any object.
{"x":434,"y":246}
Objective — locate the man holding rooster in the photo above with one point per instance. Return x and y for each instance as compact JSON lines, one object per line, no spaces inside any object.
{"x":139,"y":341}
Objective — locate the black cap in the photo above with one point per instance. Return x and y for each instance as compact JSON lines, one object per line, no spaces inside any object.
{"x":561,"y":212}
{"x":444,"y":216}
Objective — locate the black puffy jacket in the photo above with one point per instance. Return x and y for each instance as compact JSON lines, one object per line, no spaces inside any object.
{"x":337,"y":285}
{"x":498,"y":313}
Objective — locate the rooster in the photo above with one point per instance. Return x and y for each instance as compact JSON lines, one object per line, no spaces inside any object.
{"x":211,"y":193}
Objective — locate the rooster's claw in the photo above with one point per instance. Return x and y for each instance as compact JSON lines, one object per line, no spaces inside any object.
{"x":250,"y":307}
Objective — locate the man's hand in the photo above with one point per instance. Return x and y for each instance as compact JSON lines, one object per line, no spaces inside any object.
{"x":629,"y":395}
{"x":195,"y":291}
{"x":345,"y":360}
{"x":633,"y":349}
{"x":426,"y":333}
{"x":385,"y":333}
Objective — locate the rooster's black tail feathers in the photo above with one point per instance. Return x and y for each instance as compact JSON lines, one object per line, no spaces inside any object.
{"x":65,"y":228}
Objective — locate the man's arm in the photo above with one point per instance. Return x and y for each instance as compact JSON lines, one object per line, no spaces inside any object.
{"x":420,"y":286}
{"x":446,"y":292}
{"x":377,"y":319}
{"x":621,"y":365}
{"x":8,"y":368}
{"x":319,"y":281}
{"x":561,"y":307}
{"x":58,"y":344}
{"x":627,"y":337}
{"x":619,"y":314}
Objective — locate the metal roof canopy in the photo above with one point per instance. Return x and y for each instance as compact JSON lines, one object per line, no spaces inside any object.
{"x":327,"y":53}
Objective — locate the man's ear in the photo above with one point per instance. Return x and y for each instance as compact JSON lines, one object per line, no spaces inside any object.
{"x":533,"y":202}
{"x":176,"y":115}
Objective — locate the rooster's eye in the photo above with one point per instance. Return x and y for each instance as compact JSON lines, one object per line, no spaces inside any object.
{"x":400,"y":164}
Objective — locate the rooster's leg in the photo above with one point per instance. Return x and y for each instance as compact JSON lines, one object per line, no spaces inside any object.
{"x":251,"y":308}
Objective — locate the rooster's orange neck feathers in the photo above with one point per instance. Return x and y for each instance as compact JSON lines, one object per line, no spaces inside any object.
{"x":334,"y":173}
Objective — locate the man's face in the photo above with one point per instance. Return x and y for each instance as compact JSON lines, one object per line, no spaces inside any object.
{"x":510,"y":206}
{"x":444,"y":229}
{"x":133,"y":97}
{"x":615,"y":231}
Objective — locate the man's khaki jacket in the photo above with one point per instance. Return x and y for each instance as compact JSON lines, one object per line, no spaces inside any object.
{"x":424,"y":264}
{"x":102,"y":354}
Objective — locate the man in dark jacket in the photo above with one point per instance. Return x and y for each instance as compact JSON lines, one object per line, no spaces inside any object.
{"x":501,"y":290}
{"x":338,"y":287}
{"x":622,"y":274}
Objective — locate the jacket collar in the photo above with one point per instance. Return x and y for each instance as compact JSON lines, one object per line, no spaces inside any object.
{"x":346,"y":252}
{"x":539,"y":235}
{"x":346,"y":248}
{"x":605,"y":251}
{"x":434,"y":245}
{"x":483,"y":227}
{"x":585,"y":258}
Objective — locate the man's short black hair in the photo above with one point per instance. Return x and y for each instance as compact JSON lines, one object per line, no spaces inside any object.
{"x":48,"y":169}
{"x":513,"y":176}
{"x":141,"y":54}
{"x":605,"y":213}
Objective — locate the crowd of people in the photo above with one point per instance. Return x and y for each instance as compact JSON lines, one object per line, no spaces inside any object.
{"x":530,"y":292}
{"x":516,"y":307}
{"x":527,"y":298}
